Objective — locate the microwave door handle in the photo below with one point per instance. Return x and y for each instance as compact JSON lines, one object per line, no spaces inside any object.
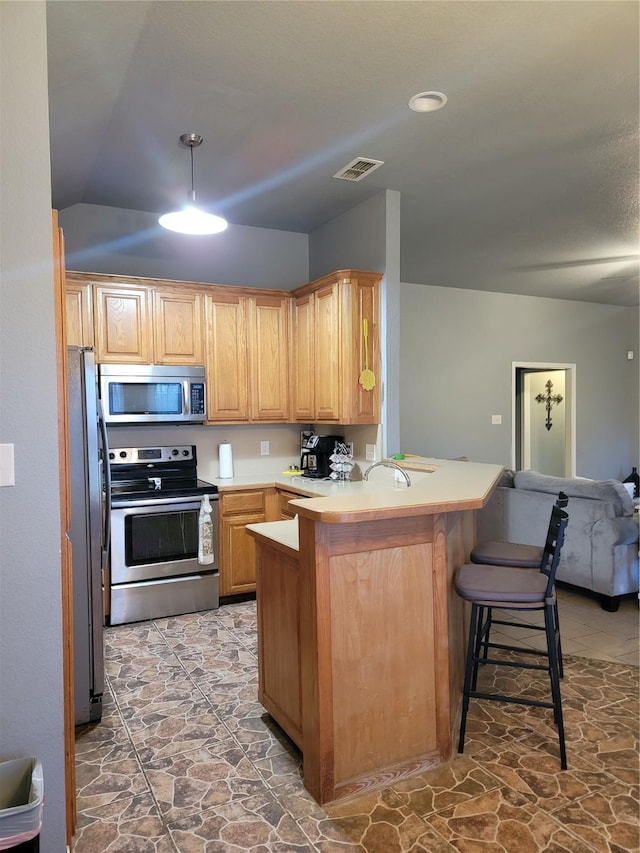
{"x":185,"y":398}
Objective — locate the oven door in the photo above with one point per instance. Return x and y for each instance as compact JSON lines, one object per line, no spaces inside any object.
{"x":158,"y":538}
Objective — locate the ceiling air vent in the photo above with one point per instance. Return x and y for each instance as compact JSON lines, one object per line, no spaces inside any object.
{"x":357,"y":169}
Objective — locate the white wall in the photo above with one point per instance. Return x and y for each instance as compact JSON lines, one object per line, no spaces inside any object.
{"x":31,"y":705}
{"x":130,"y":242}
{"x":456,"y":352}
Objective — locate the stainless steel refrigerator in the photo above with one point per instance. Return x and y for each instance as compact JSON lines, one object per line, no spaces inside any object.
{"x":89,"y":530}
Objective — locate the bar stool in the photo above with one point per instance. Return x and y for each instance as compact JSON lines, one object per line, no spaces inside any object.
{"x":517,"y":555}
{"x":491,"y":587}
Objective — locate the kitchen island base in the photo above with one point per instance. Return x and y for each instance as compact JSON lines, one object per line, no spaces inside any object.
{"x":361,"y":643}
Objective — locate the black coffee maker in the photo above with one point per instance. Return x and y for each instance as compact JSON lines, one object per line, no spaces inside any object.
{"x":316,"y":452}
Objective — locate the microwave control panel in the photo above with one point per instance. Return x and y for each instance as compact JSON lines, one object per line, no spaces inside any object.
{"x":197,"y":398}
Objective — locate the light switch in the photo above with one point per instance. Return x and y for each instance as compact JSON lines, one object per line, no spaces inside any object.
{"x":7,"y":471}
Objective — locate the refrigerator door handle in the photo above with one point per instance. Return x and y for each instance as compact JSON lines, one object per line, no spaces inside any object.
{"x":106,"y":534}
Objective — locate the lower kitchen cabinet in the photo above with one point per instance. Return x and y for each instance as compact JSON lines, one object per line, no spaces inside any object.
{"x":284,"y":510}
{"x":237,"y":548}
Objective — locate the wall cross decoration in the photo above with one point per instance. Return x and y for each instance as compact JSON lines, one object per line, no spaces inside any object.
{"x":549,"y":400}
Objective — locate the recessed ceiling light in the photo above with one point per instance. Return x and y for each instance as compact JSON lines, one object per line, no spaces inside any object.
{"x":427,"y":102}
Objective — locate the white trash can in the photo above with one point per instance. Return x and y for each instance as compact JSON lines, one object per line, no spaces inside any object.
{"x":21,"y":803}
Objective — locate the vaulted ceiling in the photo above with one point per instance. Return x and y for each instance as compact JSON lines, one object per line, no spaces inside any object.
{"x":525,"y":182}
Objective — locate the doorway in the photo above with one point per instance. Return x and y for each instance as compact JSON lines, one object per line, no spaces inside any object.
{"x":543,"y":418}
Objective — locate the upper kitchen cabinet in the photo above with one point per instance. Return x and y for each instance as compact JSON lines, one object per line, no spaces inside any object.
{"x":331,"y":349}
{"x":272,"y":356}
{"x":268,"y":346}
{"x":226,"y":361}
{"x":178,"y":327}
{"x":303,"y":358}
{"x":78,"y":307}
{"x":247,"y":356}
{"x":327,"y":355}
{"x":135,"y":321}
{"x":124,"y":333}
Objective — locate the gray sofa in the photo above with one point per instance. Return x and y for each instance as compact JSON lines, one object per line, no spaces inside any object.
{"x":600,"y":551}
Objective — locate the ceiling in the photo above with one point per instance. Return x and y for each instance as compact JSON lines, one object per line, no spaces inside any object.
{"x":526,"y":181}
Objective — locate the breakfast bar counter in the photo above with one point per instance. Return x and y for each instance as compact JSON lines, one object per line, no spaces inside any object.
{"x":361,"y":637}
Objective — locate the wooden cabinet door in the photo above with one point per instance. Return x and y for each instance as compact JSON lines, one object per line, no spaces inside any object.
{"x":178,"y":328}
{"x":237,"y":548}
{"x":327,"y":353}
{"x":303,"y":359}
{"x":78,"y":315}
{"x":268,"y":344}
{"x":226,"y":359}
{"x":123,"y":324}
{"x":362,"y":406}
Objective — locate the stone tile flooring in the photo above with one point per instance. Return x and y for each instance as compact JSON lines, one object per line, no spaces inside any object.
{"x":185,"y":759}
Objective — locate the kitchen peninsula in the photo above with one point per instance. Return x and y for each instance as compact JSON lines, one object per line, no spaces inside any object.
{"x":361,"y":637}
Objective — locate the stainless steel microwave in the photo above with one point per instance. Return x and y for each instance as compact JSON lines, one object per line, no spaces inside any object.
{"x":152,"y":394}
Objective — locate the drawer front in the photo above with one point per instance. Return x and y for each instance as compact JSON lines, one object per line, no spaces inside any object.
{"x":284,"y":497}
{"x":239,"y":503}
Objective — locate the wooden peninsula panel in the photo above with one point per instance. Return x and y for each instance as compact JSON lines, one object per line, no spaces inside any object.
{"x":278,"y":586}
{"x":361,"y":641}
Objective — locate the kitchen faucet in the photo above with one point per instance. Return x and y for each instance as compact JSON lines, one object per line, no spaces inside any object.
{"x":387,"y":464}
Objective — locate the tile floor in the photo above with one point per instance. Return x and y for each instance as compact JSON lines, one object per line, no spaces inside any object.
{"x":185,"y":759}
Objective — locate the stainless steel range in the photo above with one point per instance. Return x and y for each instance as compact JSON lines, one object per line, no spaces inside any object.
{"x":155,"y":504}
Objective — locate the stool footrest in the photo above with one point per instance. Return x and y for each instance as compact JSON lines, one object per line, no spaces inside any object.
{"x":518,"y":625}
{"x":493,"y":697}
{"x":519,"y":664}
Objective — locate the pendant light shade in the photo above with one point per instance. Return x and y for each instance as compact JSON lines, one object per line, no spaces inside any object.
{"x":192,"y":219}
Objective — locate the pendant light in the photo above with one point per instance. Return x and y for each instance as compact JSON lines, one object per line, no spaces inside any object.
{"x":192,"y":219}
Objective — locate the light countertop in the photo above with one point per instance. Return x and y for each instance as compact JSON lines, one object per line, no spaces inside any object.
{"x":283,"y":533}
{"x":294,"y":483}
{"x":451,"y":486}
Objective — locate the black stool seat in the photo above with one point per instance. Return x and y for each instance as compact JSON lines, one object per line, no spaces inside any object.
{"x":495,"y":586}
{"x":496,"y":553}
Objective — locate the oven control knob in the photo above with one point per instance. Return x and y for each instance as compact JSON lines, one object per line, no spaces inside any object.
{"x":123,"y":454}
{"x":174,"y":452}
{"x":112,"y":455}
{"x":185,"y":453}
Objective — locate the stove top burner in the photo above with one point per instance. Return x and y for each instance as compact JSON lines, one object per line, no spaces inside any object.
{"x":143,"y":473}
{"x":137,"y":490}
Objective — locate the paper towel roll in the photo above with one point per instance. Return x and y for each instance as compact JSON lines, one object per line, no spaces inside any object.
{"x":226,"y":461}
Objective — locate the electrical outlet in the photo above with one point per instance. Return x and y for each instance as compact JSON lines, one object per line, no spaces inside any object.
{"x":496,"y":419}
{"x":350,"y":446}
{"x":264,"y":448}
{"x":370,"y":452}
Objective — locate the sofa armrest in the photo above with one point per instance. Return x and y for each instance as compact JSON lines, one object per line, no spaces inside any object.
{"x":614,"y":543}
{"x":617,"y":531}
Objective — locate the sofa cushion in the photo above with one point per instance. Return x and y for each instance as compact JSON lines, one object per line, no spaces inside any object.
{"x":611,"y":491}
